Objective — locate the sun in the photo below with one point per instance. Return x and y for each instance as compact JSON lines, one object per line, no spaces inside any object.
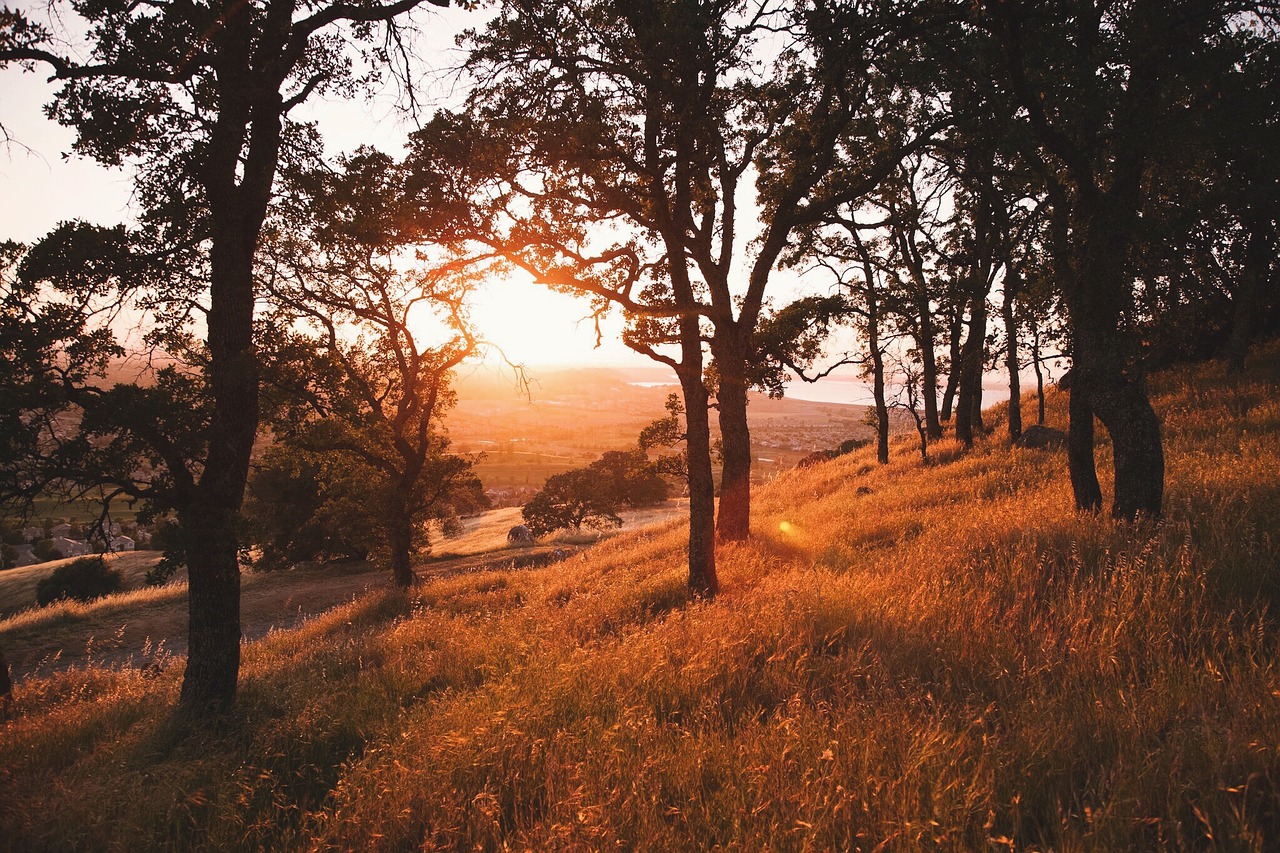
{"x":526,"y":323}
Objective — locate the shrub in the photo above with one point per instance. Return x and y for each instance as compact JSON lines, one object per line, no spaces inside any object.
{"x":83,"y":580}
{"x":45,"y":551}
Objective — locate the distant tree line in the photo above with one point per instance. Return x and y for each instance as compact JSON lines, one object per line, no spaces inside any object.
{"x":966,"y":183}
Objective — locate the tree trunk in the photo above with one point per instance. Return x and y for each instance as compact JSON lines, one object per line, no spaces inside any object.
{"x":1080,"y":461}
{"x":955,"y":333}
{"x":237,"y":181}
{"x":882,"y":407}
{"x":1011,"y":356}
{"x":733,"y":523}
{"x":213,"y":611}
{"x":969,"y":396}
{"x":1121,"y":403}
{"x":1035,"y":363}
{"x":702,"y":494}
{"x":400,"y":540}
{"x":929,"y":370}
{"x":1248,"y":296}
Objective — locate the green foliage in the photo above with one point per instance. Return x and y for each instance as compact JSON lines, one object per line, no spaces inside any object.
{"x":572,"y":499}
{"x":83,"y":580}
{"x":304,"y":506}
{"x":593,"y":495}
{"x":667,"y":432}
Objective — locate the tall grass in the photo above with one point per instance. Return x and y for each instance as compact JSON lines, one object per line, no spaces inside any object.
{"x":939,"y":656}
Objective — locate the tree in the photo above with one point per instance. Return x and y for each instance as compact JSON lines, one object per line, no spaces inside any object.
{"x":1118,"y":75}
{"x":366,"y":379}
{"x":196,"y":98}
{"x":593,"y":495}
{"x":572,"y":499}
{"x":302,"y":507}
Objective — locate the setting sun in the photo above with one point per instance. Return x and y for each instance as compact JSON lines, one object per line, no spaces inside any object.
{"x":533,"y":325}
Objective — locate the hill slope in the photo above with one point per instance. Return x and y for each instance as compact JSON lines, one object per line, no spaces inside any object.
{"x":916,"y":656}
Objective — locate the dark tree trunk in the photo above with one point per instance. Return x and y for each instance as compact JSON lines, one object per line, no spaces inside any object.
{"x":1248,"y":297}
{"x":733,"y":523}
{"x":1106,"y":378}
{"x":400,"y":540}
{"x":1011,"y":356}
{"x":1120,"y":401}
{"x":1080,"y":461}
{"x":929,"y":370}
{"x":213,"y":610}
{"x":969,"y":396}
{"x":240,"y":164}
{"x":882,"y":407}
{"x":702,"y":494}
{"x":955,"y":334}
{"x":1035,"y":363}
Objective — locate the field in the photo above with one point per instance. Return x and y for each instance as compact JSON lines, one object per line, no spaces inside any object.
{"x":568,"y":418}
{"x":141,"y":623}
{"x":908,"y":657}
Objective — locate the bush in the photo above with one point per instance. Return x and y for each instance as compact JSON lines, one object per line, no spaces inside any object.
{"x":45,"y":551}
{"x":83,"y":580}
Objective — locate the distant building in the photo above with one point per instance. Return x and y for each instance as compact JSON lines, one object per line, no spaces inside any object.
{"x":122,"y":543}
{"x":31,"y":534}
{"x":26,"y":555}
{"x":60,"y":530}
{"x":71,"y":547}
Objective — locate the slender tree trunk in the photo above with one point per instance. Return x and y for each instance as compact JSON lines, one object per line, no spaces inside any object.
{"x":1035,"y":363}
{"x":955,"y":332}
{"x":882,"y":407}
{"x":1080,"y":461}
{"x":929,"y":370}
{"x":702,"y":495}
{"x":239,"y":170}
{"x":1248,"y":297}
{"x":969,"y":396}
{"x":733,"y":523}
{"x":1011,"y":355}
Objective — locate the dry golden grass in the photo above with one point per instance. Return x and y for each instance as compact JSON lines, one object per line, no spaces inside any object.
{"x":18,"y":586}
{"x":939,"y":656}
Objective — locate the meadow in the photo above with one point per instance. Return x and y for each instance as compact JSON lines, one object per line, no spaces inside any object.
{"x":917,"y":656}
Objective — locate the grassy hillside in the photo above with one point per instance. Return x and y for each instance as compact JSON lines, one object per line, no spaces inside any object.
{"x":910,"y":657}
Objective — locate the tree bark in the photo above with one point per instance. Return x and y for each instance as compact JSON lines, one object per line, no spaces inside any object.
{"x":1080,"y":461}
{"x":400,"y":540}
{"x":1122,"y":405}
{"x":1035,"y":363}
{"x":213,"y":611}
{"x":733,"y":522}
{"x":238,"y":185}
{"x":702,"y":495}
{"x":969,"y":395}
{"x":1248,"y":297}
{"x":955,"y":337}
{"x":1011,"y":355}
{"x":929,"y":369}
